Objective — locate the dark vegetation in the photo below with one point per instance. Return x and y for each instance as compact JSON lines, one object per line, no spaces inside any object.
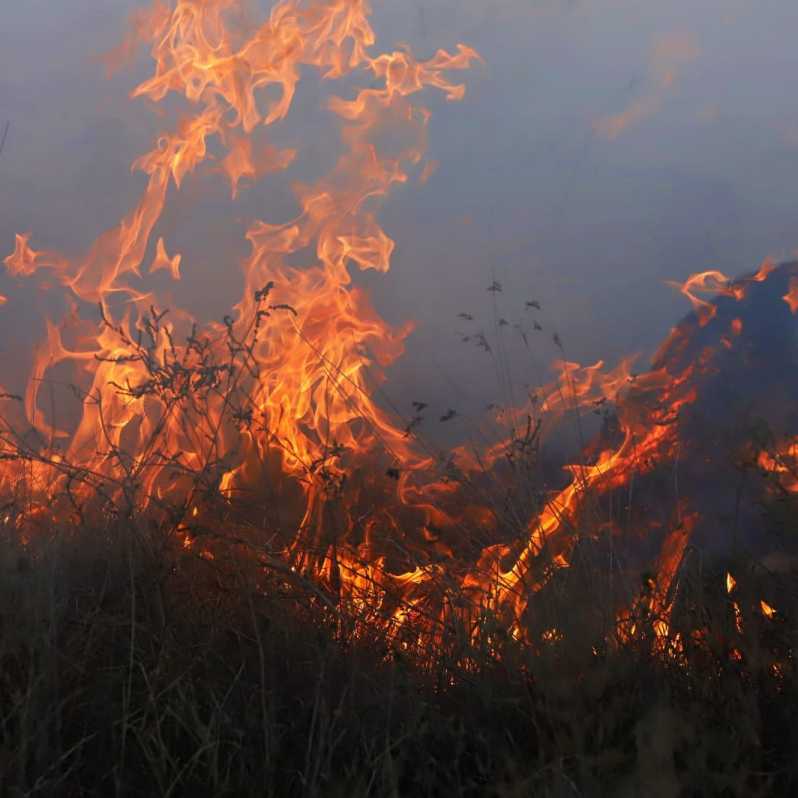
{"x":132,"y":667}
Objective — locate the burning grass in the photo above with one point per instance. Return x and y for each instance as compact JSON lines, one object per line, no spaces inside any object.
{"x":133,"y":666}
{"x":230,"y":570}
{"x":184,"y":643}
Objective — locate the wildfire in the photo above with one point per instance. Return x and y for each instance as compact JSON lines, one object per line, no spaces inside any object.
{"x":791,"y":297}
{"x":713,"y":282}
{"x":275,"y":406}
{"x":781,"y":462}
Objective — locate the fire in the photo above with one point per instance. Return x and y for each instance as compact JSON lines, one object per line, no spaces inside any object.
{"x":765,"y":268}
{"x":791,"y":297}
{"x":274,"y":408}
{"x":738,"y":617}
{"x":196,"y":56}
{"x":781,"y":461}
{"x":163,"y":261}
{"x":282,"y":390}
{"x":713,"y":282}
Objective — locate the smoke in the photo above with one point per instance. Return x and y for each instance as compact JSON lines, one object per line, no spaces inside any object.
{"x":530,"y":191}
{"x":669,"y":55}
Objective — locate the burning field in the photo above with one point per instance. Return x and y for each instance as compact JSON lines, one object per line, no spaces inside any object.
{"x":234,"y":568}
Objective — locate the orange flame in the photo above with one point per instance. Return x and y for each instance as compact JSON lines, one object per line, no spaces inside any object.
{"x":278,"y":399}
{"x":711,"y":282}
{"x":791,"y":297}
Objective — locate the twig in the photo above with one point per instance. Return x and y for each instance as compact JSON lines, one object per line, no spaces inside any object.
{"x":5,"y":136}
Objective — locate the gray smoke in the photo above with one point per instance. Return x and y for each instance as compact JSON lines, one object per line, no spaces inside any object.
{"x":604,"y":148}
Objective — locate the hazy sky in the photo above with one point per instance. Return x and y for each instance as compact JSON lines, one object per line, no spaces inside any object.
{"x":606,"y":146}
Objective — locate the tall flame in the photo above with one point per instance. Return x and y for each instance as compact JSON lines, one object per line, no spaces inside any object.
{"x":276,"y":403}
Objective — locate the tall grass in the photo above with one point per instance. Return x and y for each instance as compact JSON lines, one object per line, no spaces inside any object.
{"x":129,"y":666}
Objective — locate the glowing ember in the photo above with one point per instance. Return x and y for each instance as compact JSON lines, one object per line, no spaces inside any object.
{"x":738,"y":617}
{"x":767,"y":610}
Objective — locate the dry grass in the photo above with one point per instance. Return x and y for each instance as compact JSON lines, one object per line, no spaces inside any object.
{"x":129,"y":667}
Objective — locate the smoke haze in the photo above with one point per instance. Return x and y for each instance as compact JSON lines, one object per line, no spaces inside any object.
{"x":602,"y":149}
